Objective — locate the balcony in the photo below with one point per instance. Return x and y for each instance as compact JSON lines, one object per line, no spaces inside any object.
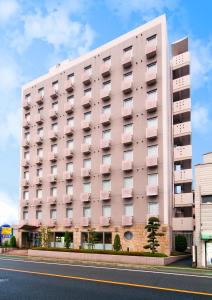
{"x":182,"y":224}
{"x":127,"y":112}
{"x":25,"y":203}
{"x":39,"y":160}
{"x":151,"y":105}
{"x":69,"y":86}
{"x":127,"y":138}
{"x":126,"y":60}
{"x":85,"y":125}
{"x":39,"y":119}
{"x":183,"y":152}
{"x":26,"y":124}
{"x":105,"y":70}
{"x":40,"y":100}
{"x":26,"y":105}
{"x":54,"y":94}
{"x":52,"y":178}
{"x":25,"y":183}
{"x":127,"y":193}
{"x":181,"y":106}
{"x":52,"y":223}
{"x":23,"y":223}
{"x":86,"y":101}
{"x":38,"y":181}
{"x":105,"y":144}
{"x":151,"y":49}
{"x":104,"y":221}
{"x":85,"y":148}
{"x":105,"y":119}
{"x":180,"y":60}
{"x":53,"y":135}
{"x":39,"y":140}
{"x":151,"y":133}
{"x":37,"y":201}
{"x":85,"y":221}
{"x":182,"y":129}
{"x":67,"y":199}
{"x":52,"y":200}
{"x":69,"y":108}
{"x":151,"y":161}
{"x":68,"y":153}
{"x":53,"y":156}
{"x":105,"y":94}
{"x":105,"y":169}
{"x":68,"y":130}
{"x":85,"y":197}
{"x":68,"y":222}
{"x":25,"y":163}
{"x":127,"y":221}
{"x":85,"y":172}
{"x":105,"y":195}
{"x":26,"y":143}
{"x":126,"y":86}
{"x":181,"y":83}
{"x":127,"y":165}
{"x":37,"y":223}
{"x":68,"y":175}
{"x":183,"y":176}
{"x":53,"y":114}
{"x":152,"y":190}
{"x":151,"y":77}
{"x":86,"y":79}
{"x":183,"y":199}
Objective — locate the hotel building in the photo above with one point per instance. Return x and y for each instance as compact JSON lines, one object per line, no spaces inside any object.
{"x":106,"y":143}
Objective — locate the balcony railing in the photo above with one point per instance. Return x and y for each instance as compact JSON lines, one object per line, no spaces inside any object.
{"x":52,"y":223}
{"x":104,"y":221}
{"x":68,"y":153}
{"x":40,"y":100}
{"x":39,"y":160}
{"x":69,"y":108}
{"x":105,"y":144}
{"x":105,"y":94}
{"x":181,"y":60}
{"x":151,"y":77}
{"x":183,"y":199}
{"x":86,"y":78}
{"x":25,"y":182}
{"x":67,"y":199}
{"x":68,"y":222}
{"x":105,"y":195}
{"x":53,"y":114}
{"x":151,"y":105}
{"x":151,"y":49}
{"x":105,"y":70}
{"x":183,"y":152}
{"x":182,"y":129}
{"x":127,"y":220}
{"x":152,"y":190}
{"x":85,"y":125}
{"x":26,"y":105}
{"x":127,"y":193}
{"x":182,"y":224}
{"x":68,"y":175}
{"x":105,"y":119}
{"x":127,"y":165}
{"x":85,"y":197}
{"x":127,"y":86}
{"x":181,"y":83}
{"x":54,"y":94}
{"x":37,"y":201}
{"x":127,"y":112}
{"x":52,"y":178}
{"x":68,"y":130}
{"x":39,"y":140}
{"x":127,"y":138}
{"x":38,"y":181}
{"x":39,"y":119}
{"x":127,"y":60}
{"x":26,"y":124}
{"x":182,"y":106}
{"x":53,"y":135}
{"x":85,"y":221}
{"x":53,"y":156}
{"x":105,"y":169}
{"x":183,"y":176}
{"x":52,"y":200}
{"x":85,"y":148}
{"x":86,"y":101}
{"x":85,"y":172}
{"x":69,"y":86}
{"x":152,"y":161}
{"x":151,"y":133}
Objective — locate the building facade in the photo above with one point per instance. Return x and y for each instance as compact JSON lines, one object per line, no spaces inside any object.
{"x":101,"y":137}
{"x":203,"y":212}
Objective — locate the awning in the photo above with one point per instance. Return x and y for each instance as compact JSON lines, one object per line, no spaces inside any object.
{"x":206,"y":235}
{"x":28,"y":227}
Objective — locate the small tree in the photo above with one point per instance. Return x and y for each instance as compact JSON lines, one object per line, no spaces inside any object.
{"x":152,"y":228}
{"x":13,"y":243}
{"x":67,"y":239}
{"x":180,"y":243}
{"x":117,"y":243}
{"x":92,"y":238}
{"x":45,"y":237}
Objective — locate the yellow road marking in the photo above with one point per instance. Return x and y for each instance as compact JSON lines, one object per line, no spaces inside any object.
{"x":111,"y":282}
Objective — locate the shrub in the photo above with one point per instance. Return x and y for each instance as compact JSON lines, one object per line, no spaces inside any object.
{"x":13,"y":243}
{"x":6,"y":244}
{"x":180,"y":243}
{"x":67,"y":239}
{"x":152,"y":228}
{"x":117,"y":243}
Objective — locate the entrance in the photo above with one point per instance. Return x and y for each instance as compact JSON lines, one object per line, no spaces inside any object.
{"x":208,"y":250}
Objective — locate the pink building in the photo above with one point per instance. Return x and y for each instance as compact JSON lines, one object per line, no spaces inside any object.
{"x":106,"y":143}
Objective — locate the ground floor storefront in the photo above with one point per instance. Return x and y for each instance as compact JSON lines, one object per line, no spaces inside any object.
{"x":204,"y":250}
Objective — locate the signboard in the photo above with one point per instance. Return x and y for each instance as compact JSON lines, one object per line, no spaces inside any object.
{"x":6,"y":231}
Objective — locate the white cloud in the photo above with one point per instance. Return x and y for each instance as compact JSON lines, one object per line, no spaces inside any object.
{"x":8,"y":209}
{"x":200,"y":119}
{"x":8,"y":8}
{"x":10,"y":129}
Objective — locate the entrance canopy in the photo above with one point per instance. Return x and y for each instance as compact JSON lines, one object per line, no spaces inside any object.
{"x":28,"y":227}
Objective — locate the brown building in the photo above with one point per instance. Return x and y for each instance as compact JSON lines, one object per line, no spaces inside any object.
{"x":106,"y":143}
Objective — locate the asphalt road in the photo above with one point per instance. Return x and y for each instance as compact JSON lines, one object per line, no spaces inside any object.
{"x":24,"y":279}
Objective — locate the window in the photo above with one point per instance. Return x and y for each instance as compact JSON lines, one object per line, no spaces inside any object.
{"x":53,"y":214}
{"x":152,"y":67}
{"x":128,"y":182}
{"x":153,"y":208}
{"x":25,"y":215}
{"x":40,"y":152}
{"x":178,"y":189}
{"x":69,"y":167}
{"x":106,"y":134}
{"x":26,"y":175}
{"x":55,"y":127}
{"x":106,"y":185}
{"x":128,"y":102}
{"x":41,"y":92}
{"x":54,"y":170}
{"x":128,"y":76}
{"x":26,"y":195}
{"x":87,"y":139}
{"x":88,"y":70}
{"x":70,"y":122}
{"x":128,"y":235}
{"x":38,"y":214}
{"x":87,"y":93}
{"x":153,"y":179}
{"x":55,"y":85}
{"x":106,"y":109}
{"x":27,"y":136}
{"x":69,"y":190}
{"x":40,"y":110}
{"x":53,"y":191}
{"x":86,"y":187}
{"x":87,"y":163}
{"x":152,"y":150}
{"x":40,"y":131}
{"x":69,"y":213}
{"x":152,"y":123}
{"x":39,"y":172}
{"x":26,"y":155}
{"x":87,"y":212}
{"x":128,"y":50}
{"x":70,"y":99}
{"x":128,"y":155}
{"x":27,"y":117}
{"x":70,"y":144}
{"x":54,"y":148}
{"x":28,"y":98}
{"x":152,"y":38}
{"x":107,"y":85}
{"x":87,"y":116}
{"x":107,"y":60}
{"x":151,"y":95}
{"x":106,"y":211}
{"x":207,"y":199}
{"x":128,"y":210}
{"x":70,"y":77}
{"x":128,"y":128}
{"x":39,"y":193}
{"x":106,"y":159}
{"x":55,"y":106}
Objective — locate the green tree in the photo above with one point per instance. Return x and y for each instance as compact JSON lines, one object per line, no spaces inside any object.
{"x":92,"y":237}
{"x":45,"y":237}
{"x":180,"y":243}
{"x":152,"y":228}
{"x":13,"y":243}
{"x":67,"y":239}
{"x":117,"y":243}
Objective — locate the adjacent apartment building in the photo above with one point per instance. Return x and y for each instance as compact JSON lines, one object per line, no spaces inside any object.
{"x":106,"y":143}
{"x":203,"y":212}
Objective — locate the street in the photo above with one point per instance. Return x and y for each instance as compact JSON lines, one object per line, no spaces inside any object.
{"x":26,"y":279}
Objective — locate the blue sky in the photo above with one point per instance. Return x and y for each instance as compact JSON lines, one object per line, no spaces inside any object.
{"x":37,"y":34}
